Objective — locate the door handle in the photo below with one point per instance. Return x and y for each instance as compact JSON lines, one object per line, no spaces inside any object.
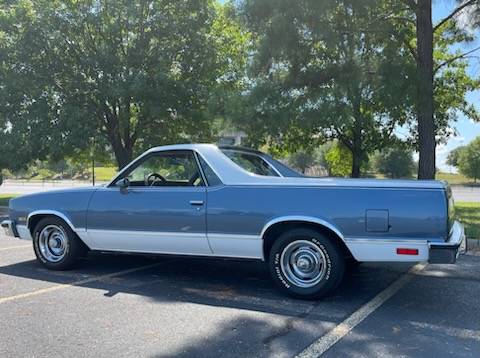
{"x":196,"y":202}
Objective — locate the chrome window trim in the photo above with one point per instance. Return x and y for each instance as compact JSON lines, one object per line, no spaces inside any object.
{"x":211,"y":167}
{"x":200,"y":169}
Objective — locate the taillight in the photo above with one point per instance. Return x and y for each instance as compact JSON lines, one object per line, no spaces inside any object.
{"x":405,"y":251}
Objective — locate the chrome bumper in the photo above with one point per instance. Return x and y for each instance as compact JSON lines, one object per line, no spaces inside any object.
{"x":448,"y":251}
{"x":10,"y":228}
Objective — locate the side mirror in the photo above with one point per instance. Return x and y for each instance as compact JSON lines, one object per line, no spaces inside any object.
{"x":123,"y":183}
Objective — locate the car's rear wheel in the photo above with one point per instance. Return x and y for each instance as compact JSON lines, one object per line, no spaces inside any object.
{"x":56,"y":245}
{"x":306,"y":264}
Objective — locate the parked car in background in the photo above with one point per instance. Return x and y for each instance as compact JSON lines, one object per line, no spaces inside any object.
{"x":202,"y":200}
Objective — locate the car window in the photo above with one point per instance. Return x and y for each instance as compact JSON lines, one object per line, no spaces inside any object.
{"x":176,"y":168}
{"x":210,"y":176}
{"x":251,"y":162}
{"x":283,"y":169}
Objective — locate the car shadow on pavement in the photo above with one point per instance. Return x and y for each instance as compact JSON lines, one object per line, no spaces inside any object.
{"x":423,"y":312}
{"x":238,"y":284}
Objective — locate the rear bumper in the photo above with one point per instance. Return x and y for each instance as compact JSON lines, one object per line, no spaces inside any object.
{"x":448,"y":251}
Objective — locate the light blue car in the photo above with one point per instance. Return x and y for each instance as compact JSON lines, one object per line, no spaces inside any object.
{"x":202,"y":200}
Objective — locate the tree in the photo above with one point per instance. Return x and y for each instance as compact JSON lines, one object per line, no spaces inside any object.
{"x":339,"y":160}
{"x":301,"y":160}
{"x":321,"y":154}
{"x":353,"y":71}
{"x":132,"y":73}
{"x":325,"y":70}
{"x":469,"y":160}
{"x":426,"y":68}
{"x":425,"y":118}
{"x":396,"y":162}
{"x":454,"y":156}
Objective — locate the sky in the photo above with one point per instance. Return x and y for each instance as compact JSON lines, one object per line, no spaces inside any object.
{"x":466,"y":129}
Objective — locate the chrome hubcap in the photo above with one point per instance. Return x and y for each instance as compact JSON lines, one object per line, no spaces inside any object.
{"x":53,"y":243}
{"x":303,"y":263}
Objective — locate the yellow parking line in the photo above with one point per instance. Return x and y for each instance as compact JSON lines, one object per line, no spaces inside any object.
{"x":15,"y":247}
{"x":75,"y":283}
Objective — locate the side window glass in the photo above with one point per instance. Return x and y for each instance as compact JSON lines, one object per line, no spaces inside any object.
{"x":212,"y":178}
{"x":251,"y":163}
{"x":176,"y":168}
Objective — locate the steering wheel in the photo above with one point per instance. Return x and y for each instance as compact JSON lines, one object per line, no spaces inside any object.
{"x":154,"y":177}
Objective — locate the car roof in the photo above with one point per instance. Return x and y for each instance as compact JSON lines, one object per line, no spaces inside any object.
{"x":191,"y":146}
{"x":241,"y":149}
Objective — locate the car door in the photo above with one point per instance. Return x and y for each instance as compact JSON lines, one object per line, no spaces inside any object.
{"x":162,"y":210}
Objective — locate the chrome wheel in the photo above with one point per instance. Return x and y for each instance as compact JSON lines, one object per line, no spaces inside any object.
{"x":53,"y":243}
{"x":303,"y":263}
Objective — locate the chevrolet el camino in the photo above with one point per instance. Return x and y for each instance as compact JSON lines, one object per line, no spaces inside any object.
{"x":204,"y":200}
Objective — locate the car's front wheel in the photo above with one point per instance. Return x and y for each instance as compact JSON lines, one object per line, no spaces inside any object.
{"x":56,"y":245}
{"x":306,"y":264}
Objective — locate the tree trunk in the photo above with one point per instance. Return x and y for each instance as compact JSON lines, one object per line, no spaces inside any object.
{"x":357,"y":151}
{"x":426,"y":123}
{"x":356,"y":167}
{"x":123,"y":155}
{"x":356,"y":164}
{"x":122,"y":148}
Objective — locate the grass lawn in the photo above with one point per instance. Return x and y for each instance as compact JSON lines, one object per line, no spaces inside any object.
{"x":101,"y":174}
{"x":451,"y":178}
{"x":104,"y":173}
{"x":4,"y":198}
{"x":469,"y":215}
{"x":454,"y":179}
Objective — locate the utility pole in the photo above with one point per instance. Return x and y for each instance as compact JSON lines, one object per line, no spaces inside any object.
{"x":93,"y":162}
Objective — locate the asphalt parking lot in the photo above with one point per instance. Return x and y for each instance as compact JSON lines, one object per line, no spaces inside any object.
{"x":117,"y":305}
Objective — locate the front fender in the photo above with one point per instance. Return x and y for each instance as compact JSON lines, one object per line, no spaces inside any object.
{"x":70,"y":205}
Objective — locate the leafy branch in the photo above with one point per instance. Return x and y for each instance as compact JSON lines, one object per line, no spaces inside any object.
{"x":454,"y":13}
{"x":455,"y":58}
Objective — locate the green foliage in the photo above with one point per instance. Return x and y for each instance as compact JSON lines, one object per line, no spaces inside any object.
{"x":339,"y":160}
{"x":396,"y":162}
{"x":321,"y":153}
{"x":301,"y":160}
{"x":103,"y":173}
{"x":5,"y":198}
{"x":451,"y":80}
{"x":81,"y":79}
{"x":64,"y":169}
{"x":320,"y":73}
{"x":469,"y":160}
{"x":454,"y":156}
{"x":132,"y":74}
{"x":346,"y":70}
{"x":469,"y":215}
{"x":452,"y":178}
